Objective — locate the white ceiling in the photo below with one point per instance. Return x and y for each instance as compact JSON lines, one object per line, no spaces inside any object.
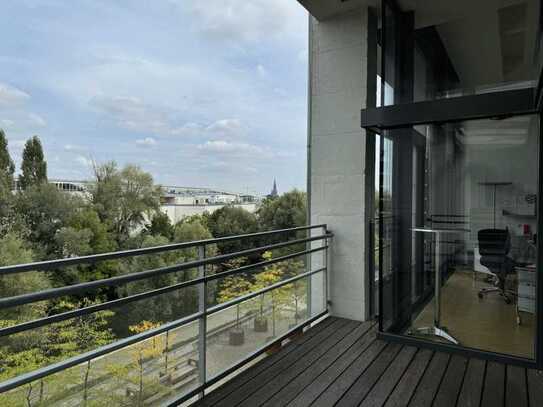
{"x":487,"y":42}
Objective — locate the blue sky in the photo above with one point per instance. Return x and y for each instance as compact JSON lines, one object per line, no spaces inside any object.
{"x":199,"y":93}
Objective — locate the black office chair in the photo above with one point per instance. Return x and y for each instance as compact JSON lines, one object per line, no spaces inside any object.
{"x":494,"y":246}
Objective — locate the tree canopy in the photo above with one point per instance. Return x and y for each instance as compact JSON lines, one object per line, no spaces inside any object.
{"x":33,"y":166}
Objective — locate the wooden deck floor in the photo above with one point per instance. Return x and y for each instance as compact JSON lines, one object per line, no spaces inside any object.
{"x":340,"y":362}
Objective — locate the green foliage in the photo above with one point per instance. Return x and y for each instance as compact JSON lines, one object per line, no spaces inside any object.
{"x":287,"y":211}
{"x":160,"y":225}
{"x":7,"y":168}
{"x":44,"y":210}
{"x":123,"y":198}
{"x":14,"y":251}
{"x":34,"y":166}
{"x":190,"y":230}
{"x":55,"y":342}
{"x":231,"y":221}
{"x":41,"y":222}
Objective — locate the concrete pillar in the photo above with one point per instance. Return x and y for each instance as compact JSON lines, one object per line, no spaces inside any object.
{"x":338,"y":61}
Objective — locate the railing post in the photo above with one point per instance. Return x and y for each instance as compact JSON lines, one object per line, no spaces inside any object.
{"x":328,"y":265}
{"x":309,"y":267}
{"x":202,"y":307}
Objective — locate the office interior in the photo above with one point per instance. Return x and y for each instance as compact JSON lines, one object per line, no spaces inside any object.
{"x":475,"y":182}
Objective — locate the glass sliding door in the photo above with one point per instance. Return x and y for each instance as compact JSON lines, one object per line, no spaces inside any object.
{"x":465,"y":217}
{"x":459,"y":175}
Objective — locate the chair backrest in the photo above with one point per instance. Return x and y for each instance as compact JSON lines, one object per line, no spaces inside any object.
{"x":494,"y":242}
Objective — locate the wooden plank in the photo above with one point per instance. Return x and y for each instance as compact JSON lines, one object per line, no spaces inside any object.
{"x":429,"y":384}
{"x":382,"y":389}
{"x":365,"y":382}
{"x":336,"y":390}
{"x":364,"y":334}
{"x":472,"y":388}
{"x":311,"y":336}
{"x":447,"y":394}
{"x":319,"y":384}
{"x":516,"y":389}
{"x":259,"y":389}
{"x":535,"y":387}
{"x":405,"y":388}
{"x":267,"y":387}
{"x":494,"y":387}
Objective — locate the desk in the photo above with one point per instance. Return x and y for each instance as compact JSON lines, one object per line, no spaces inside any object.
{"x":437,"y":329}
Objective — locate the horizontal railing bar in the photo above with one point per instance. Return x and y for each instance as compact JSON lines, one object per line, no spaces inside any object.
{"x":141,"y":296}
{"x":119,"y":280}
{"x":85,"y":357}
{"x":264,"y":290}
{"x":243,"y":269}
{"x":241,"y":363}
{"x":52,"y":264}
{"x":120,"y":344}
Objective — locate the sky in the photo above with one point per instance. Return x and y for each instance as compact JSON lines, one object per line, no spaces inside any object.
{"x":198,"y":93}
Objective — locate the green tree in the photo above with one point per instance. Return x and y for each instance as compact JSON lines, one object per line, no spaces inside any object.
{"x":34,"y":166}
{"x":44,"y":210}
{"x":287,"y":211}
{"x":231,"y":288}
{"x":160,"y":225}
{"x":7,"y":168}
{"x":189,"y":230}
{"x":231,"y":221}
{"x":124,"y":198}
{"x":13,"y":251}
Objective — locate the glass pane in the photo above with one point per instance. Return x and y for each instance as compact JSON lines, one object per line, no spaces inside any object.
{"x":470,"y":190}
{"x":238,"y":331}
{"x":462,"y":48}
{"x":146,"y":373}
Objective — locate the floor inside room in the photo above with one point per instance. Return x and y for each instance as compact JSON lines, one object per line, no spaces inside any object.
{"x":488,"y":324}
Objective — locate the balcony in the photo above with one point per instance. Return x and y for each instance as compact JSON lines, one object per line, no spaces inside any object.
{"x":223,"y":354}
{"x":340,"y":362}
{"x":176,"y":361}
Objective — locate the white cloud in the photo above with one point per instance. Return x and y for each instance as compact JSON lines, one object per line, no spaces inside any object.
{"x":146,"y":142}
{"x":261,"y":71}
{"x":84,"y":161}
{"x":245,"y":20}
{"x":225,"y":127}
{"x":72,"y":147}
{"x":36,"y":120}
{"x":226,"y":148}
{"x":11,"y":96}
{"x":6,"y":123}
{"x":134,"y":114}
{"x":188,"y":129}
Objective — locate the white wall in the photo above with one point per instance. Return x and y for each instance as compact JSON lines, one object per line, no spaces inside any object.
{"x":337,"y":94}
{"x":178,"y":212}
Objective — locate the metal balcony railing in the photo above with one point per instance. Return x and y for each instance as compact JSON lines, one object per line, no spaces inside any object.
{"x":189,"y":354}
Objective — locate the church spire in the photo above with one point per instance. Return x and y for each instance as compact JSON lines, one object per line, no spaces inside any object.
{"x":274,"y":193}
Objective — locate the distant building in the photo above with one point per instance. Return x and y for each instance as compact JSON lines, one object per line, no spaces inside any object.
{"x":180,"y":202}
{"x":273,"y":193}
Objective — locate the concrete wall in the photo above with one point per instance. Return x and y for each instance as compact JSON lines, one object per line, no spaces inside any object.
{"x":338,"y":60}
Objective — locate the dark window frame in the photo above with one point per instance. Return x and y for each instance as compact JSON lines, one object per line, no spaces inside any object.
{"x":376,"y":120}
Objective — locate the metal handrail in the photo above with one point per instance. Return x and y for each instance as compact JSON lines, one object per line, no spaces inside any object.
{"x":95,"y":258}
{"x":25,"y":326}
{"x":203,"y":280}
{"x":142,"y":275}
